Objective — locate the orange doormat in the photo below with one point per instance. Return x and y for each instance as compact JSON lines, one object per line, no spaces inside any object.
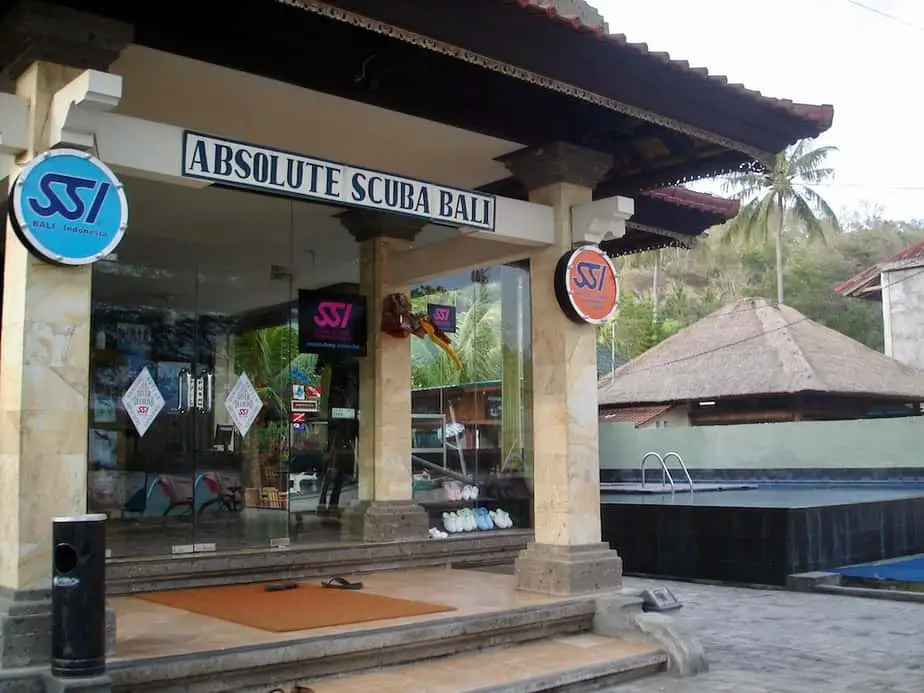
{"x":299,"y":609}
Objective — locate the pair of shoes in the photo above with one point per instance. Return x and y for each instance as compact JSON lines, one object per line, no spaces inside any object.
{"x":453,"y":491}
{"x":483,"y":519}
{"x":462,"y":521}
{"x":470,"y":493}
{"x":436,"y":533}
{"x":501,"y":519}
{"x":451,"y":523}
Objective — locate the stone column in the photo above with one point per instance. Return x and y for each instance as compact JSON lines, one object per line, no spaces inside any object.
{"x":567,"y":556}
{"x":44,"y":343}
{"x":386,"y":510}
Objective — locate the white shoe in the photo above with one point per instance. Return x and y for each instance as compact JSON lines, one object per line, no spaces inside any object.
{"x":450,"y":523}
{"x":508,"y":521}
{"x":466,"y":493}
{"x":473,"y":492}
{"x":434,"y":533}
{"x":470,"y":524}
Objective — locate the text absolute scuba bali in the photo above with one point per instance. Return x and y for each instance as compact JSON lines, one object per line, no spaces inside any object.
{"x":287,"y":173}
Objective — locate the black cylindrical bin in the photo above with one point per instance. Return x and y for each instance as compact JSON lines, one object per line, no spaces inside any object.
{"x":78,"y":596}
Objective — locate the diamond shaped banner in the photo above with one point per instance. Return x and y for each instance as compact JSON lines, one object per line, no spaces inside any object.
{"x":143,"y":401}
{"x":243,"y":404}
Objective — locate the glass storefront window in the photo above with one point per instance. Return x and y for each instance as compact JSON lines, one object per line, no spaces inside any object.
{"x":208,"y":429}
{"x":471,"y":425}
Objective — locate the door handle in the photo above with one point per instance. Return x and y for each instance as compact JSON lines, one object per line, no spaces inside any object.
{"x":184,"y":381}
{"x":205,"y":391}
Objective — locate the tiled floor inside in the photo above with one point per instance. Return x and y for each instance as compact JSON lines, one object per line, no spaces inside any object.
{"x":493,"y":668}
{"x":147,"y":630}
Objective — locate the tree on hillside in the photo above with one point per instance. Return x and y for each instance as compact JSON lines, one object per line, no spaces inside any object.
{"x":780,"y":192}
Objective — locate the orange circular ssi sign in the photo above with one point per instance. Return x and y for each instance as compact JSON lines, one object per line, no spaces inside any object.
{"x":586,"y":285}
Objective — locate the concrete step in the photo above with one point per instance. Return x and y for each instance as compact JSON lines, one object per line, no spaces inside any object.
{"x":126,"y":576}
{"x":280,"y":665}
{"x":572,"y":663}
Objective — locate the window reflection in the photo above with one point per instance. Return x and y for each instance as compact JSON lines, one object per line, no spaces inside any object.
{"x":470,"y":425}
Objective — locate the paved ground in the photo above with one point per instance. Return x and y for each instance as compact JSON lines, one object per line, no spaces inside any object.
{"x":783,"y":642}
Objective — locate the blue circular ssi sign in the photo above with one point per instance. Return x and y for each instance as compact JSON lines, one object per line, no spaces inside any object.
{"x":69,"y":208}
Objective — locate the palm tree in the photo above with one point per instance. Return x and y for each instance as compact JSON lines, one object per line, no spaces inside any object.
{"x":783,"y":190}
{"x":270,"y":356}
{"x":477,"y":340}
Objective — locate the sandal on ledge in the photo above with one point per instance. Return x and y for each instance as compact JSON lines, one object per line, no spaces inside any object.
{"x":339,"y":583}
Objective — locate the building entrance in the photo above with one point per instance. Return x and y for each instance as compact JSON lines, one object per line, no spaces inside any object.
{"x":204,"y":414}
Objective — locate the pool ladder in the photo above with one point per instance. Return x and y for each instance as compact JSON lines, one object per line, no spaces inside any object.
{"x":665,"y":472}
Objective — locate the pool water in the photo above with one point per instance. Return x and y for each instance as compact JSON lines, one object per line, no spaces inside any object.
{"x":908,"y":569}
{"x":769,"y":497}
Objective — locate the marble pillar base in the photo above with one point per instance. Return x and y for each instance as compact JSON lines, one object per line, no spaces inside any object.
{"x":353,"y":520}
{"x":96,"y":684}
{"x":394,"y":521}
{"x":568,"y":570}
{"x":25,"y":628}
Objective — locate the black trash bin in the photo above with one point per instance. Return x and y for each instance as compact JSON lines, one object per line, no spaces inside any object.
{"x":78,"y":596}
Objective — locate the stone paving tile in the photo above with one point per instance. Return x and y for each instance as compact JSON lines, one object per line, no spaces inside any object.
{"x":770,"y":641}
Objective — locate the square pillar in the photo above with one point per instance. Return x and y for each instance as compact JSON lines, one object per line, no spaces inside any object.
{"x":44,"y":385}
{"x":567,"y":556}
{"x":44,"y":341}
{"x":386,"y":510}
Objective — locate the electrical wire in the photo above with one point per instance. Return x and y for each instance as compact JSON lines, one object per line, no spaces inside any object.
{"x":885,"y":15}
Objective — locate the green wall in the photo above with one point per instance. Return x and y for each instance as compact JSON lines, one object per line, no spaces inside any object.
{"x":867,"y":443}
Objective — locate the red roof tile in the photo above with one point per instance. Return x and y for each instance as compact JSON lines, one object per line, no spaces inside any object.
{"x":821,"y":114}
{"x":910,"y":252}
{"x":704,"y":202}
{"x":636,"y":415}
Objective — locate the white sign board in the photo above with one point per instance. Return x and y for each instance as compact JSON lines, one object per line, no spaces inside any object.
{"x":286,"y":173}
{"x":143,"y":401}
{"x":243,"y":404}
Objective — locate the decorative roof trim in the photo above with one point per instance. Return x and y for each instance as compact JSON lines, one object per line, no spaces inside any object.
{"x":682,"y":238}
{"x":822,"y":114}
{"x":442,"y":48}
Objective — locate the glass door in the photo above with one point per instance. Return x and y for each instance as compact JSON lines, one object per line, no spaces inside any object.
{"x":141,"y":457}
{"x":239,"y":399}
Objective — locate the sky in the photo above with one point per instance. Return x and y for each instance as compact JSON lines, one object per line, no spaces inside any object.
{"x":863,"y":57}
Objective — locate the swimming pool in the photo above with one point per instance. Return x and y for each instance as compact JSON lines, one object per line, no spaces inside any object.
{"x":762,"y":534}
{"x":769,"y":496}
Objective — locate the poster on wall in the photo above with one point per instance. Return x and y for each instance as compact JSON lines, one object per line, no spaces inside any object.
{"x":243,"y":404}
{"x":143,"y":402}
{"x":331,"y":324}
{"x":492,"y":406}
{"x":444,"y":317}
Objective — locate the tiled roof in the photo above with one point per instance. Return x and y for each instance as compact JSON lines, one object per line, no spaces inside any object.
{"x":753,"y":348}
{"x":557,"y":11}
{"x":911,"y":252}
{"x":636,"y":415}
{"x":704,"y":202}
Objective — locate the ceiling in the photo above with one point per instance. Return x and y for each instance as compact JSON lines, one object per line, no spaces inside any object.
{"x":187,"y":93}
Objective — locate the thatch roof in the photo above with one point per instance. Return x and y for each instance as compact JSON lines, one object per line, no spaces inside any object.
{"x":754,"y":347}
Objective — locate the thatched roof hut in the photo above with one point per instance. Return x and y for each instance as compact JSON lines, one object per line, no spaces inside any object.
{"x":755,"y":349}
